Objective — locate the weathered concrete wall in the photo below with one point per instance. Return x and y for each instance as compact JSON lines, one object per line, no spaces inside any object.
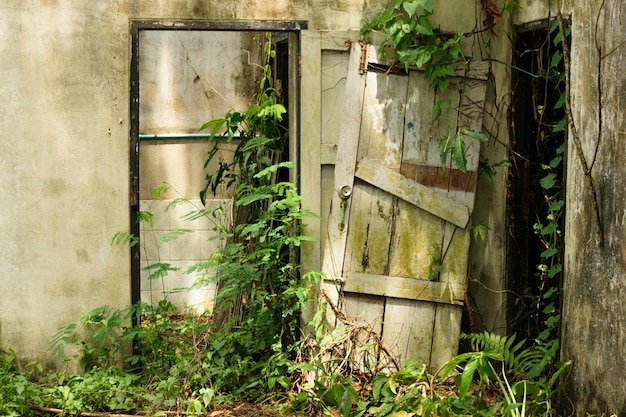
{"x":64,"y":154}
{"x":64,"y":79}
{"x":594,"y":317}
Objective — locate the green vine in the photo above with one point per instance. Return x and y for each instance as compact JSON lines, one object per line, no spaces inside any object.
{"x":540,"y":304}
{"x":410,"y":38}
{"x":407,"y":29}
{"x":260,"y":289}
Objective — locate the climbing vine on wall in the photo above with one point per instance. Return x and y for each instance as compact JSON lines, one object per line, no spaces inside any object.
{"x":410,"y":39}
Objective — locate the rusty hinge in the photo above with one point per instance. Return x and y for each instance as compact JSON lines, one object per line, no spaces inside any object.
{"x":363,"y":59}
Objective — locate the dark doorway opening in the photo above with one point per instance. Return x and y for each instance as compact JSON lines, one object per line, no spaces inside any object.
{"x":537,"y":146}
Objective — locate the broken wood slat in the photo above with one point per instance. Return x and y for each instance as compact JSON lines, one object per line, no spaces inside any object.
{"x":405,"y":288}
{"x":412,"y":192}
{"x":339,"y":217}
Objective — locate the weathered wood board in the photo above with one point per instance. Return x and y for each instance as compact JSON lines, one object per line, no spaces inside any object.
{"x":394,"y":234}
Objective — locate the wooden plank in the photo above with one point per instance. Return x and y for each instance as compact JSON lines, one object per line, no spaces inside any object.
{"x":408,"y":329}
{"x":310,"y":180}
{"x":445,"y":337}
{"x":382,"y":125}
{"x":229,"y":25}
{"x":422,"y":132}
{"x":369,"y":311}
{"x":371,"y":218}
{"x":310,"y":168}
{"x":370,"y":230}
{"x":328,"y":153}
{"x":414,"y":193}
{"x":334,"y":74}
{"x":405,"y":288}
{"x":455,"y":259}
{"x":448,"y":318}
{"x":339,"y":217}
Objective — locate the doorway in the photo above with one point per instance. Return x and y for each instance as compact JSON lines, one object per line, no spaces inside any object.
{"x":183,"y":74}
{"x":537,"y":151}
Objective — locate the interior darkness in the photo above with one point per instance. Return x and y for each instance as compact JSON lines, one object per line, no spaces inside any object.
{"x":281,"y":82}
{"x":532,"y":144}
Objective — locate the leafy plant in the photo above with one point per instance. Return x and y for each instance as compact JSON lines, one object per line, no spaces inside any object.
{"x":260,"y":288}
{"x":409,"y":36}
{"x":408,"y":31}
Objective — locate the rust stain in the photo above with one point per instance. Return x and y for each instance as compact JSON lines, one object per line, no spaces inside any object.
{"x":363,"y":58}
{"x":450,"y":179}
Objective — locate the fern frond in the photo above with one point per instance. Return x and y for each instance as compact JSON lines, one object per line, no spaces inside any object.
{"x":503,"y":345}
{"x":530,"y":361}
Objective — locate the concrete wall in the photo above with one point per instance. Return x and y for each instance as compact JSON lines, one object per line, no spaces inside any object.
{"x":594,"y":317}
{"x":64,"y":123}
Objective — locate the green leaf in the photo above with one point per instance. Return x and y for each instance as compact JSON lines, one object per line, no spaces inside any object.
{"x":444,"y":148}
{"x":548,"y":181}
{"x":410,"y":7}
{"x":346,"y":402}
{"x":377,"y":386}
{"x":557,"y":57}
{"x":560,"y":102}
{"x":556,"y":161}
{"x":145,"y":217}
{"x":467,"y":377}
{"x":551,"y":291}
{"x":275,"y":110}
{"x":214,"y":124}
{"x":560,"y":126}
{"x":159,"y":191}
{"x":458,"y":153}
{"x":273,"y":168}
{"x":557,"y":205}
{"x":124,"y":238}
{"x":479,"y":136}
{"x":551,"y":227}
{"x":480,"y":231}
{"x":249,"y":199}
{"x":427,"y":5}
{"x":423,"y":56}
{"x":174,"y":234}
{"x":554,"y":269}
{"x":424,"y":27}
{"x":548,"y":253}
{"x":439,"y":105}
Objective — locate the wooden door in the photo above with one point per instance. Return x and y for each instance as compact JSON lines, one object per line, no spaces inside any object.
{"x":395,"y":223}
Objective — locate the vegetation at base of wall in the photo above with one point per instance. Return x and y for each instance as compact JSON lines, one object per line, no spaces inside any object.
{"x":181,"y":367}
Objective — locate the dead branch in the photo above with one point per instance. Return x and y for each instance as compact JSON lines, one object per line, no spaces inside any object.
{"x":362,"y":327}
